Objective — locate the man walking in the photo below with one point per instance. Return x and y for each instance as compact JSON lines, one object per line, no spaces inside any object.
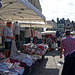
{"x":68,"y":44}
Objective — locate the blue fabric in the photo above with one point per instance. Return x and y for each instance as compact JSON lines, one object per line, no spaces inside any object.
{"x":69,"y":64}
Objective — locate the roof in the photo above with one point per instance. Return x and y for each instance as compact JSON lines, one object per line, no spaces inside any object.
{"x":20,"y":10}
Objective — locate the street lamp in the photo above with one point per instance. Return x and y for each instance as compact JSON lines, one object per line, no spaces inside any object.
{"x":0,"y":4}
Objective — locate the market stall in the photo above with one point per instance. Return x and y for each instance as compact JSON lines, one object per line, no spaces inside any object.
{"x":49,"y":38}
{"x":2,"y":24}
{"x":18,"y":10}
{"x":17,"y":63}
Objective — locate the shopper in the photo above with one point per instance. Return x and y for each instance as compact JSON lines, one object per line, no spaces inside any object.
{"x":50,"y":44}
{"x":69,"y":64}
{"x":8,"y":34}
{"x":68,"y":44}
{"x":58,"y":42}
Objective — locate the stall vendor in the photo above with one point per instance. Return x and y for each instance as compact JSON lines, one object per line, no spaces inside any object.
{"x":8,"y":34}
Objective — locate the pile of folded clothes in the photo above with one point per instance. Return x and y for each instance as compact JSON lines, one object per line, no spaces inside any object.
{"x":38,"y":49}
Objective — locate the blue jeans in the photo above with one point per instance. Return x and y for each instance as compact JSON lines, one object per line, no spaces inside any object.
{"x":8,"y":45}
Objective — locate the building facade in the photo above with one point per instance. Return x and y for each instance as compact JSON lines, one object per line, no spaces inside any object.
{"x":53,"y":23}
{"x":60,"y":25}
{"x":36,"y":3}
{"x":68,"y":25}
{"x":73,"y":23}
{"x":61,"y":28}
{"x":64,"y":25}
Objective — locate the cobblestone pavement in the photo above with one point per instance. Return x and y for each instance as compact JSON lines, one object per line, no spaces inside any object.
{"x":50,"y":65}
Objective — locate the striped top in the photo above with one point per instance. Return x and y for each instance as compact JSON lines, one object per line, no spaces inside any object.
{"x":68,"y":43}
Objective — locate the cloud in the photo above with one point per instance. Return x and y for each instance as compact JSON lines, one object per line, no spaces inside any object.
{"x":58,"y":8}
{"x":70,"y":4}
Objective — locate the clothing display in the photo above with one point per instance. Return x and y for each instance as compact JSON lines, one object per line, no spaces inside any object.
{"x":1,"y":56}
{"x":35,"y":33}
{"x":32,"y":33}
{"x":8,"y":68}
{"x":2,"y":25}
{"x":16,"y":28}
{"x":20,"y":56}
{"x":16,"y":32}
{"x":25,"y":58}
{"x":17,"y":63}
{"x":38,"y":49}
{"x":13,"y":49}
{"x":27,"y":33}
{"x":35,"y":40}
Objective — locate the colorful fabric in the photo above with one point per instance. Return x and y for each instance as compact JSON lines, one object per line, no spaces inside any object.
{"x":1,"y":55}
{"x":38,"y":49}
{"x":35,"y":33}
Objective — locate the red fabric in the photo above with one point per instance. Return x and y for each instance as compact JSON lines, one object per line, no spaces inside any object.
{"x":41,"y":47}
{"x":21,"y":63}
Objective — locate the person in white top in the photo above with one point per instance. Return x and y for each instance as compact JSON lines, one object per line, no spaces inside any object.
{"x":8,"y":34}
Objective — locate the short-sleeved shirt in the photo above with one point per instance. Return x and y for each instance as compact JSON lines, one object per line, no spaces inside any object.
{"x":68,"y":43}
{"x":8,"y":31}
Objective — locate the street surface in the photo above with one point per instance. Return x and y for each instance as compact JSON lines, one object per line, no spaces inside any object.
{"x":50,"y":65}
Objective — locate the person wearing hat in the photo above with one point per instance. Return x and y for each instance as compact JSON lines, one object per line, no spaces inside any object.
{"x":68,"y":44}
{"x":8,"y":35}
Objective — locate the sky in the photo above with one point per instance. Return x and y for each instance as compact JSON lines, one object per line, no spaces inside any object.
{"x":52,"y":9}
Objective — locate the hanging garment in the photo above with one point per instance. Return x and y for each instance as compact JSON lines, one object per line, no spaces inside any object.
{"x":16,"y":28}
{"x":13,"y":49}
{"x":35,"y":33}
{"x":31,"y":33}
{"x":2,"y":25}
{"x":27,"y":33}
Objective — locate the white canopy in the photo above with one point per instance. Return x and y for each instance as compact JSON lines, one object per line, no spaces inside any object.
{"x":48,"y":32}
{"x":36,"y":25}
{"x":20,"y":10}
